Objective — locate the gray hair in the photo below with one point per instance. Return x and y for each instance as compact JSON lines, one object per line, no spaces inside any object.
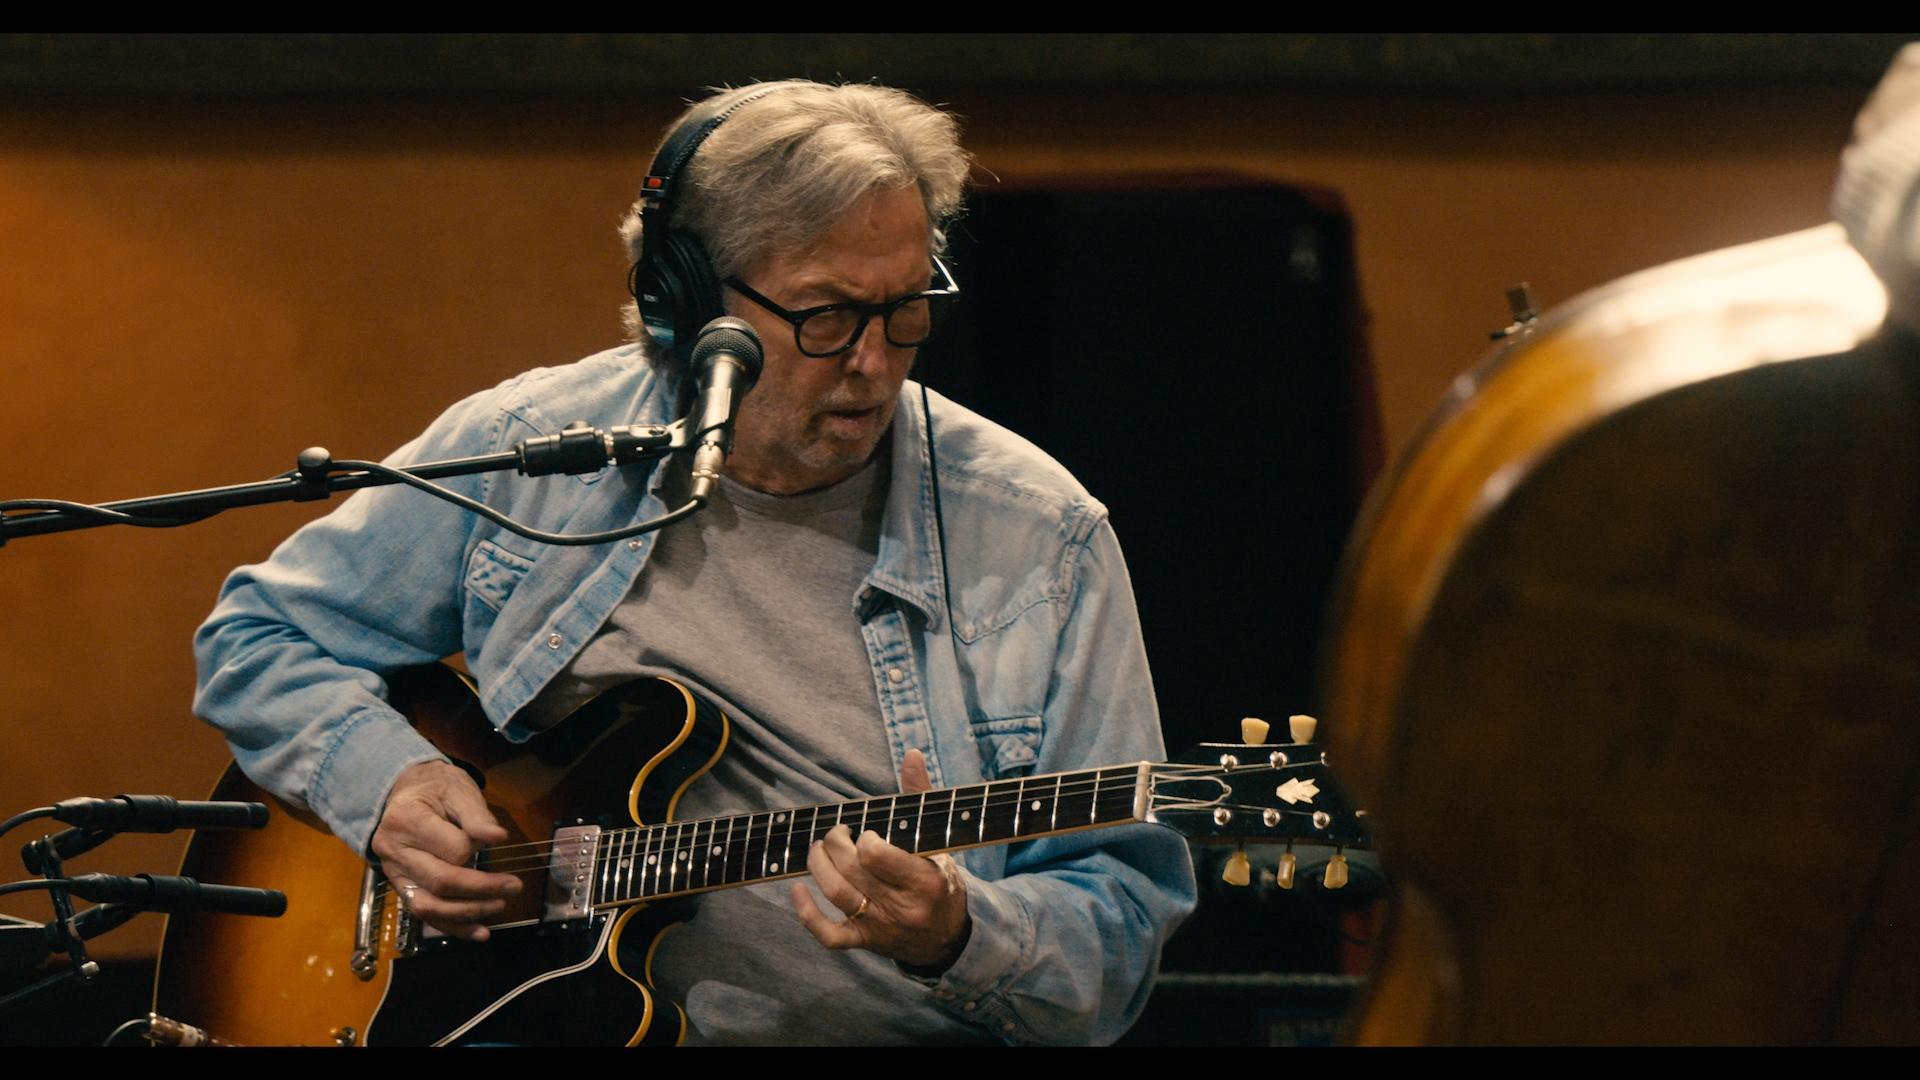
{"x":783,"y":169}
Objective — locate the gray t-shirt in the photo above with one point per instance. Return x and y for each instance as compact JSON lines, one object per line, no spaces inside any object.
{"x":751,"y":603}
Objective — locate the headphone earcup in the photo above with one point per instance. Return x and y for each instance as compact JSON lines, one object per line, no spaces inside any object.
{"x":676,"y":291}
{"x":696,"y":286}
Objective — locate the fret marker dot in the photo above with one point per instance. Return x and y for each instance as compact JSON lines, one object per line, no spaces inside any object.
{"x":779,"y":818}
{"x":651,"y":859}
{"x":626,"y":864}
{"x":1035,"y":806}
{"x":903,"y":823}
{"x":716,"y":849}
{"x":966,"y":815}
{"x":773,"y":868}
{"x":683,"y":856}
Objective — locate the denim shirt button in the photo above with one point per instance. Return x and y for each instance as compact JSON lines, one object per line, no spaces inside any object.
{"x":634,"y":544}
{"x":895,"y":675}
{"x":554,"y":640}
{"x":968,"y":1007}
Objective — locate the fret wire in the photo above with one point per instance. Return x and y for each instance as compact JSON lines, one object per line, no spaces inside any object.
{"x":774,"y":863}
{"x":641,"y":868}
{"x":706,"y":851}
{"x":746,"y":847}
{"x":726,"y":851}
{"x":689,"y":843}
{"x":786,"y":849}
{"x":600,"y":868}
{"x":690,"y":838}
{"x":768,"y":849}
{"x":1053,"y":822}
{"x":660,"y":861}
{"x":953,"y":800}
{"x":745,"y":822}
{"x":919,"y":821}
{"x":607,"y":852}
{"x":986,"y":792}
{"x":1019,"y":804}
{"x":643,"y":843}
{"x":689,"y":847}
{"x":1093,"y":808}
{"x":648,"y":861}
{"x":624,"y":879}
{"x":671,"y":858}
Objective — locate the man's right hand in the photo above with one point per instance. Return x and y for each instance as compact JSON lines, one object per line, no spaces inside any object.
{"x":435,"y":820}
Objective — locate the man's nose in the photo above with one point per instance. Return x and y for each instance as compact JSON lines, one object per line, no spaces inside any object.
{"x":868,"y":356}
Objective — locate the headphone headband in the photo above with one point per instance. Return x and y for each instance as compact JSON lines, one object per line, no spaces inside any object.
{"x":672,"y":282}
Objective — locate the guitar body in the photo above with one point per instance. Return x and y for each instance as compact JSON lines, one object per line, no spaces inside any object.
{"x":622,"y":760}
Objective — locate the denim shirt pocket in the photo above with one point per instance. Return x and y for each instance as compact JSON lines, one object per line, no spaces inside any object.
{"x":492,"y":574}
{"x":1009,"y":746}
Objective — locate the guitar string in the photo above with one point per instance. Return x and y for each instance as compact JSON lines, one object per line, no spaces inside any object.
{"x":682,"y":830}
{"x":385,"y":889}
{"x":527,"y":858}
{"x":509,"y":858}
{"x":997,"y":801}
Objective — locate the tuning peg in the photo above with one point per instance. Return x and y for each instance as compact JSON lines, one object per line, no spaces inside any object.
{"x":1283,"y":876}
{"x":1253,"y":730}
{"x":1336,"y":871}
{"x":1236,"y":871}
{"x":1301,"y":726}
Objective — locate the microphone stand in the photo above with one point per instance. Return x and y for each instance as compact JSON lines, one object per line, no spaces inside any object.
{"x":24,"y":946}
{"x":577,"y":449}
{"x":316,"y":476}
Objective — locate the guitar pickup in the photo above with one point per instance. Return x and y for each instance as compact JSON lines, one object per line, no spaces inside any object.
{"x":570,"y":873}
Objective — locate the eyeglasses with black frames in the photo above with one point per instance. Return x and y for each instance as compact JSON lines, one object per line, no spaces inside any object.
{"x":832,"y":329}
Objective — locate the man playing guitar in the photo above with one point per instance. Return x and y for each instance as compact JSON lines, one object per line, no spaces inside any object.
{"x":887,"y":592}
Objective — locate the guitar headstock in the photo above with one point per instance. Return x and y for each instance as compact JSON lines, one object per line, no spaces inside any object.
{"x":1254,"y":791}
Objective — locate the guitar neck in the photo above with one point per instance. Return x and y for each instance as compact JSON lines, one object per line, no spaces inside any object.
{"x":676,"y":858}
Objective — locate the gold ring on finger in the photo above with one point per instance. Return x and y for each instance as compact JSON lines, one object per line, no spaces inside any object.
{"x":859,"y":911}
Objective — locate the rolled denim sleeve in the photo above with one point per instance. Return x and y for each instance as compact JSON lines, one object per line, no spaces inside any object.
{"x":1064,"y":948}
{"x":291,"y":660}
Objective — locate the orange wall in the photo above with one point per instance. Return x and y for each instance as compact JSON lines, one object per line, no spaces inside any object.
{"x":192,"y":292}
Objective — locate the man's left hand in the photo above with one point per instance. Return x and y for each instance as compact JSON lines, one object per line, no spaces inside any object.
{"x":905,"y":907}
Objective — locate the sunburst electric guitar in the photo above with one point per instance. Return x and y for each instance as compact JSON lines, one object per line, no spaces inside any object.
{"x":589,"y":805}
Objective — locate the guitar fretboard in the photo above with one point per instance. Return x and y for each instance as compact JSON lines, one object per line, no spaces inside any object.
{"x":645,"y":862}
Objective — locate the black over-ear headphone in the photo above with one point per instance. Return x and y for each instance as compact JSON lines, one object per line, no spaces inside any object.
{"x":673,"y":282}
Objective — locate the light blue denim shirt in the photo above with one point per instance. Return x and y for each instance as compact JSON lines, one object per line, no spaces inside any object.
{"x":1044,"y":669}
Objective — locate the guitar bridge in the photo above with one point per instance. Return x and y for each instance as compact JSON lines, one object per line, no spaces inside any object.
{"x":570,"y":873}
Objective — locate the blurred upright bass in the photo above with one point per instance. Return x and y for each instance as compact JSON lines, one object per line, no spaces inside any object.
{"x":1625,"y":658}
